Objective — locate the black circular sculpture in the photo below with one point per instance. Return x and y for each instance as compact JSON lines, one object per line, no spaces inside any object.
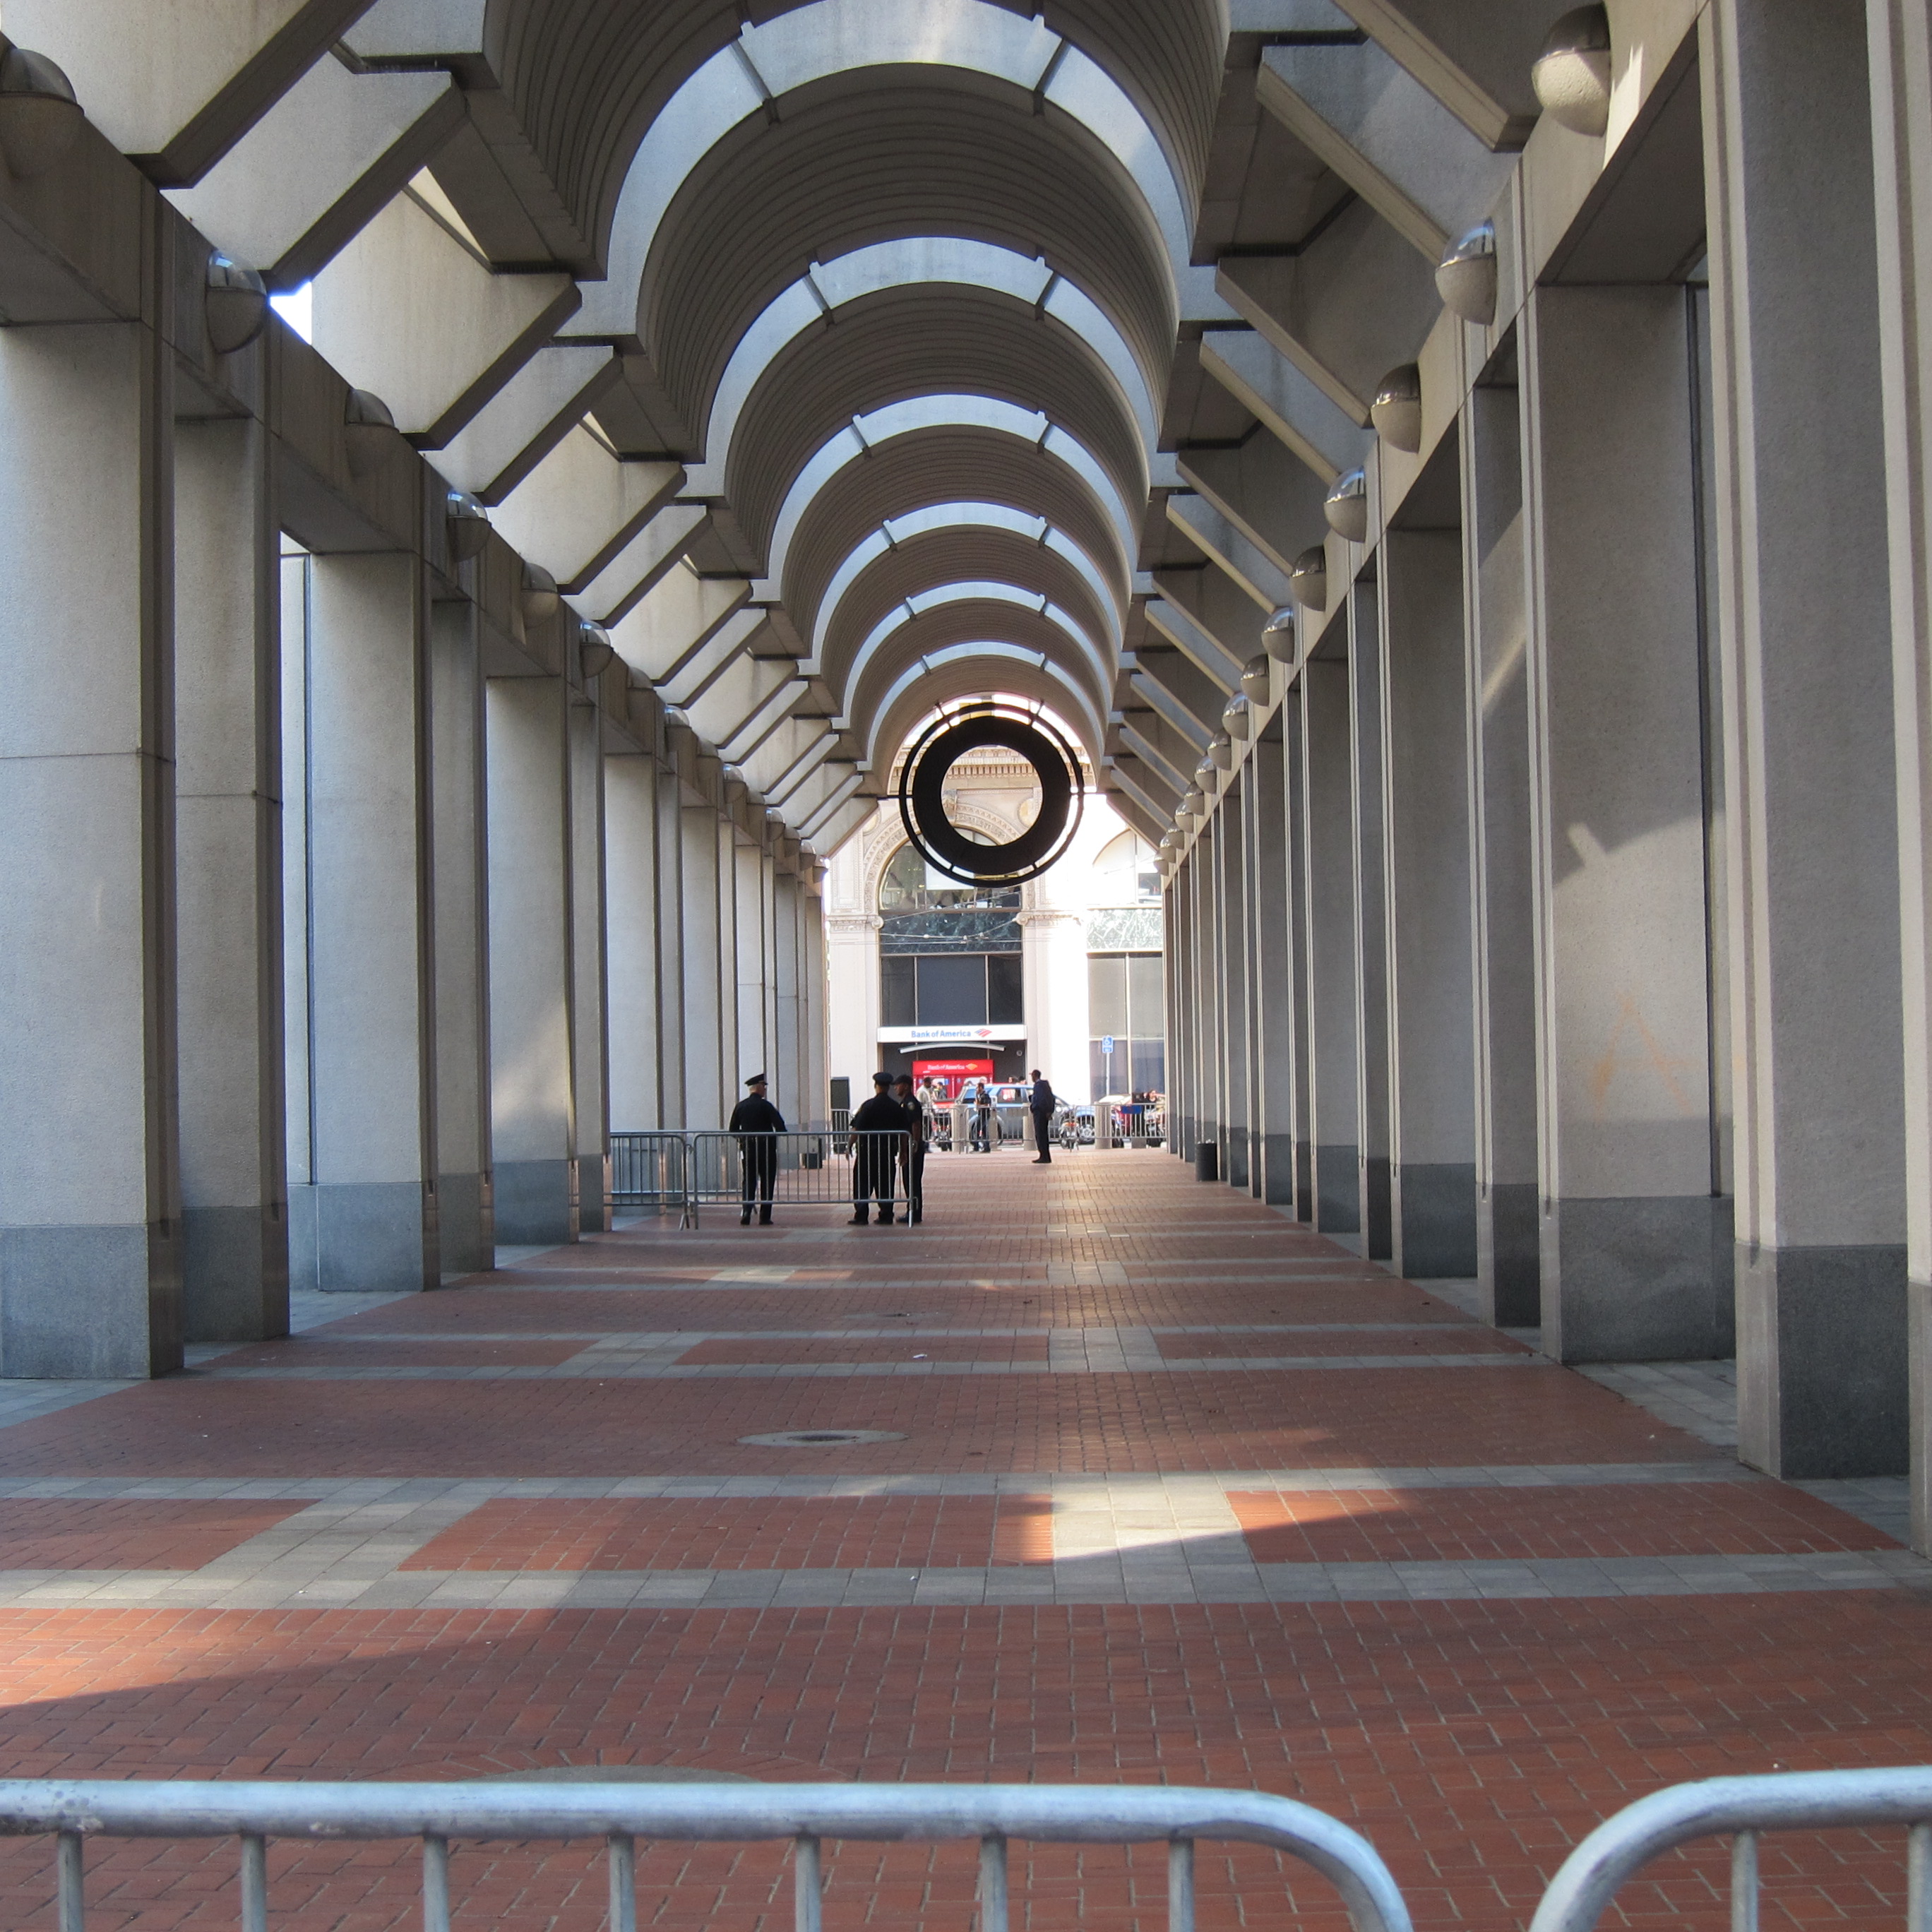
{"x":922,"y":800}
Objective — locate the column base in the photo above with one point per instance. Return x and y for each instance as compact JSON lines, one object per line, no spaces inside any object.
{"x":593,"y":1209}
{"x":1918,"y":1343}
{"x":89,"y":1303}
{"x":1641,"y":1279}
{"x":363,"y":1237}
{"x":1432,"y":1213}
{"x":1277,"y":1170}
{"x":1304,"y":1182}
{"x":1338,"y":1190}
{"x":1234,"y":1157}
{"x":467,"y":1224}
{"x":1509,"y":1271}
{"x":536,"y":1203}
{"x":234,"y":1274}
{"x":1824,"y":1380}
{"x":1378,"y":1230}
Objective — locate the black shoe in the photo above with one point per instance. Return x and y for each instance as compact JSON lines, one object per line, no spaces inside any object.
{"x":915,"y":1217}
{"x":885,"y":1220}
{"x":859,"y":1221}
{"x":1043,"y":1160}
{"x":764,"y":1217}
{"x":744,"y":1219}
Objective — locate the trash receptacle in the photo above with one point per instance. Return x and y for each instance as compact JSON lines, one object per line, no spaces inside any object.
{"x":1207,"y":1160}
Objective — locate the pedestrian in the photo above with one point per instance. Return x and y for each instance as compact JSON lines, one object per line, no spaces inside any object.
{"x":1041,"y":1101}
{"x":982,"y":1121}
{"x":757,"y":1124}
{"x":875,"y":1153}
{"x":918,"y":1106}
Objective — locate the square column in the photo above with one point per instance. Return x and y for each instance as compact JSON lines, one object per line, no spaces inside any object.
{"x":228,"y":865}
{"x":589,"y":968}
{"x":1232,"y":981}
{"x":753,"y":1048}
{"x":1327,"y":812}
{"x":1508,"y":1266}
{"x":814,"y":1019}
{"x":533,"y":969}
{"x":670,"y":942}
{"x":791,"y":1075}
{"x":1635,"y":1242}
{"x":1367,"y":835}
{"x":90,"y":1216}
{"x":1426,"y":844}
{"x":631,"y":926}
{"x":366,"y":1218}
{"x":704,"y":958}
{"x":1274,"y":1002}
{"x":1805,"y":650}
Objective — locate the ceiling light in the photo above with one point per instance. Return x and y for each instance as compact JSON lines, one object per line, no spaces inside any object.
{"x":1572,"y":74}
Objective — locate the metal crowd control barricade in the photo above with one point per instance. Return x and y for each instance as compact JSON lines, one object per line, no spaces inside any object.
{"x":647,"y":1170}
{"x":1742,"y":1809}
{"x":622,"y":1814}
{"x":820,"y":1168}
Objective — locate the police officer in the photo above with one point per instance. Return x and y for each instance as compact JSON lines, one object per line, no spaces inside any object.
{"x":1040,"y":1101}
{"x":875,"y":1157}
{"x":757,"y":1123}
{"x":918,"y":1110}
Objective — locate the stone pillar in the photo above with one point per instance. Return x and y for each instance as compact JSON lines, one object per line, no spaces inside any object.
{"x":1274,"y":1003}
{"x":1210,"y":1115}
{"x":228,"y":862}
{"x":1294,"y":801}
{"x":1053,"y":971}
{"x":813,"y":1016}
{"x":1900,"y":49}
{"x":1426,"y":842}
{"x":752,"y":1047}
{"x":704,"y":961}
{"x":1497,"y":708}
{"x":787,"y":1035}
{"x":532,"y":990}
{"x":1368,"y":858}
{"x":367,"y":1219}
{"x":1805,"y":650}
{"x":466,"y":1214}
{"x":1174,"y":922}
{"x":1253,"y":972}
{"x":590,"y":968}
{"x":1635,"y":1248}
{"x":1330,"y":999}
{"x":90,"y":1232}
{"x":1231,"y":981}
{"x":669,"y":939}
{"x":630,"y":925}
{"x":852,"y":944}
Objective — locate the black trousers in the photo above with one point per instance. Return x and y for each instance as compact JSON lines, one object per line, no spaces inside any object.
{"x":1043,"y":1131}
{"x":761,"y":1169}
{"x":874,"y":1164}
{"x":914,"y":1161}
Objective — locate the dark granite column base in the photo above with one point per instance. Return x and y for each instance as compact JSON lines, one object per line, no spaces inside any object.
{"x":593,"y":1208}
{"x":89,"y":1303}
{"x":1824,"y":1380}
{"x":536,"y":1203}
{"x":1509,"y":1268}
{"x":1378,"y":1230}
{"x":1918,"y":1345}
{"x":1432,"y":1215}
{"x":363,"y":1236}
{"x":235,"y":1273}
{"x":1304,"y":1182}
{"x":1234,"y":1157}
{"x":1337,"y":1188}
{"x":468,"y":1226}
{"x":1277,"y":1170}
{"x":1643,"y":1279}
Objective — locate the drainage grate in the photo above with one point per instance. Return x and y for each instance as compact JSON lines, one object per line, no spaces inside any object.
{"x":821,"y":1439}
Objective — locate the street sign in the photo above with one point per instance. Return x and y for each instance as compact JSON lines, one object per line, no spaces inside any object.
{"x":1107,"y":1044}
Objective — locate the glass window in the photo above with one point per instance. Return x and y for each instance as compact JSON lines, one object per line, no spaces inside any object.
{"x":897,"y":1000}
{"x":923,"y":912}
{"x":1147,"y":999}
{"x":1126,"y":873}
{"x":1005,"y":990}
{"x":1107,"y":993}
{"x":953,"y":989}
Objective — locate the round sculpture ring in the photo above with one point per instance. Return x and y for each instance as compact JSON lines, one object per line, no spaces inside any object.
{"x":922,"y":800}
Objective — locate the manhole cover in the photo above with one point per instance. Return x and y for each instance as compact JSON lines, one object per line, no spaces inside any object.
{"x":617,"y":1774}
{"x":820,"y":1439}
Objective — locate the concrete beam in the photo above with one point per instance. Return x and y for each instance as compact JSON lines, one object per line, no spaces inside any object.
{"x":1269,"y":495}
{"x":1302,"y":416}
{"x":1474,"y":60}
{"x":1231,"y":550}
{"x":581,"y":505}
{"x":1220,"y":670}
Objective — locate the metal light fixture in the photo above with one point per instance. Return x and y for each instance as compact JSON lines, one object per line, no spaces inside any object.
{"x":368,"y":432}
{"x":1346,"y":506}
{"x":640,"y":706}
{"x":39,"y":119}
{"x":1466,"y":277}
{"x":1256,"y":682}
{"x":1236,"y":720}
{"x":1278,"y":633}
{"x":1308,"y":581}
{"x":595,"y":651}
{"x":1207,"y":774}
{"x":1221,"y":751}
{"x":1193,"y":802}
{"x":1572,"y":74}
{"x":468,"y":525}
{"x":538,"y":598}
{"x":1396,"y":411}
{"x":235,"y":304}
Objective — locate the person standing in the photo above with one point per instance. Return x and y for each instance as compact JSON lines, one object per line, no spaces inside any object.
{"x":757,"y":1124}
{"x":876,"y":1153}
{"x":917,"y":1104}
{"x":1041,"y":1101}
{"x":982,"y":1121}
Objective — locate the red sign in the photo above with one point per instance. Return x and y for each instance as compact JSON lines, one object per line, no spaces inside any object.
{"x":956,"y":1073}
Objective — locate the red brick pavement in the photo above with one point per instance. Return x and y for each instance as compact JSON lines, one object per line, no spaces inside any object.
{"x":913,"y":1347}
{"x":81,"y":1533}
{"x":1436,"y":1341}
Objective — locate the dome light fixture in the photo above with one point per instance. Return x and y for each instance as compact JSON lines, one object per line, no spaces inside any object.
{"x":1221,"y":751}
{"x":1236,"y":720}
{"x":1256,"y":682}
{"x":368,"y":432}
{"x":1396,"y":411}
{"x":40,"y":119}
{"x":1571,"y":76}
{"x":1465,"y":278}
{"x":1308,"y":581}
{"x":539,"y":598}
{"x":468,"y":526}
{"x":235,"y":305}
{"x":595,"y":651}
{"x":1346,"y":506}
{"x":1278,"y":633}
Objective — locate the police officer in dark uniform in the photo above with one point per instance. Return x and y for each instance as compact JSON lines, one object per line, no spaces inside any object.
{"x":1040,"y":1103}
{"x":918,"y":1112}
{"x":874,"y":1157}
{"x":755,"y":1121}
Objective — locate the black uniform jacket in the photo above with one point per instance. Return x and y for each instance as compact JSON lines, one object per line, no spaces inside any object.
{"x":755,"y":1114}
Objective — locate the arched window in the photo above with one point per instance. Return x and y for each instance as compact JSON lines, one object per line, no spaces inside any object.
{"x":1126,"y":874}
{"x":948,"y":953}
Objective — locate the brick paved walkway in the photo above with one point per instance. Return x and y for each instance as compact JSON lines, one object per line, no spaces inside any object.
{"x":1147,"y":1483}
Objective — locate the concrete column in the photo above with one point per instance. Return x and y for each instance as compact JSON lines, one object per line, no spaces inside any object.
{"x":1274,"y":1003}
{"x":532,"y":991}
{"x":1232,"y":983}
{"x":1900,"y":50}
{"x":228,"y":861}
{"x":704,"y":960}
{"x":631,"y":923}
{"x":790,"y":1071}
{"x":1253,"y":970}
{"x":466,"y":1211}
{"x":1210,"y":1116}
{"x":814,"y":1018}
{"x":1426,"y":842}
{"x":1330,"y":999}
{"x":752,"y":1048}
{"x":367,"y":1219}
{"x":1294,"y":806}
{"x":1174,"y":923}
{"x":852,"y":943}
{"x":1053,"y":968}
{"x":1496,"y":705}
{"x":1805,"y":652}
{"x":1635,"y":1247}
{"x":590,"y":968}
{"x":90,"y":1235}
{"x":1366,"y":782}
{"x":668,"y":936}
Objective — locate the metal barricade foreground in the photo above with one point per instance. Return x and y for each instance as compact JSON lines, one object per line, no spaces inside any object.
{"x":647,"y":1169}
{"x":622,"y":1814}
{"x":815,"y":1169}
{"x":1742,"y":1809}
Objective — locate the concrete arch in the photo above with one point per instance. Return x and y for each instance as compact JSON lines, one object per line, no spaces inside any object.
{"x":963,"y":671}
